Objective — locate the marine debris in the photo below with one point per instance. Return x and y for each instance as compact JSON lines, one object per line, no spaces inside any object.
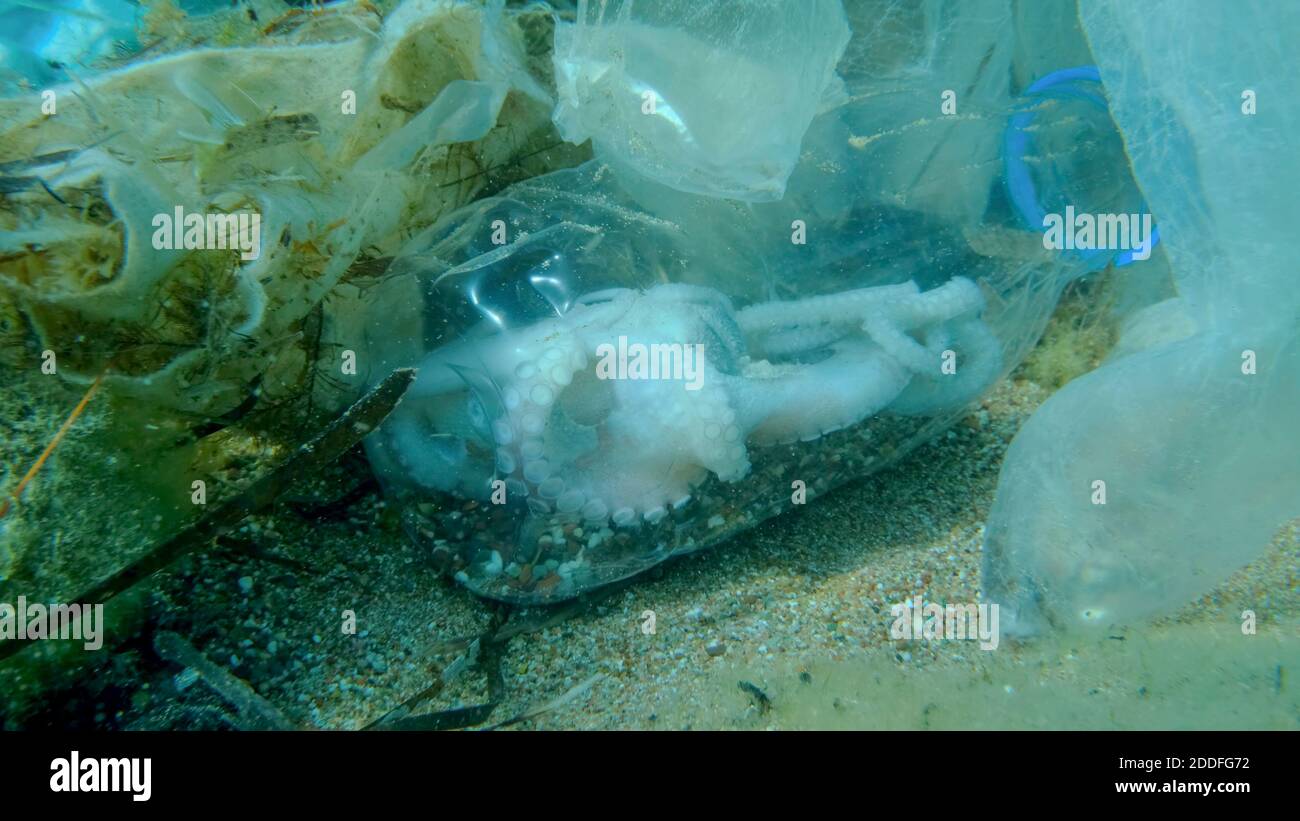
{"x":343,"y":434}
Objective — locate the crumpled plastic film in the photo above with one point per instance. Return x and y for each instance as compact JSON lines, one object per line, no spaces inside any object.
{"x":1190,"y":427}
{"x":535,"y":461}
{"x":260,"y":131}
{"x":711,"y":98}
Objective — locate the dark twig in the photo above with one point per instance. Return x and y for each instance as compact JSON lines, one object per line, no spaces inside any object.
{"x":337,"y":439}
{"x":255,"y":712}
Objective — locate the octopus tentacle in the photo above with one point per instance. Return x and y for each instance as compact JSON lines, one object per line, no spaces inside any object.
{"x":623,"y":449}
{"x":846,"y":307}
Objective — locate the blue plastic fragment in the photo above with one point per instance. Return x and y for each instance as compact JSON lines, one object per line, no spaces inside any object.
{"x":1063,"y":83}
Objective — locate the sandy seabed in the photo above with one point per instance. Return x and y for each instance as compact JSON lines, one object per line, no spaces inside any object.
{"x":784,"y":627}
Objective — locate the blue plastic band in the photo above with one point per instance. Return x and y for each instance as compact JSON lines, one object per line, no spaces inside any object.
{"x":1020,"y":183}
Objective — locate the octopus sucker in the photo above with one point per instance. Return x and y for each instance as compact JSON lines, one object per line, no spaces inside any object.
{"x":572,"y":440}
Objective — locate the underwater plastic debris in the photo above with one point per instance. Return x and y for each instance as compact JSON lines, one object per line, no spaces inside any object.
{"x":580,"y":418}
{"x":1190,"y":428}
{"x":710,"y":98}
{"x":38,"y":38}
{"x":1198,"y":470}
{"x":930,"y":91}
{"x":823,"y":360}
{"x":532,"y":477}
{"x":262,"y":131}
{"x":1068,"y":83}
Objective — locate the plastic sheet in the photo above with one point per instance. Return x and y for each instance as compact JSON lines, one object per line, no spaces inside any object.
{"x":249,"y":131}
{"x":1190,"y":428}
{"x":38,"y":41}
{"x":711,"y":98}
{"x":535,"y":461}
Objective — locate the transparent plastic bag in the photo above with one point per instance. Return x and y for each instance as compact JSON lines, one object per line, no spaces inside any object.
{"x":1148,"y":481}
{"x":711,"y":98}
{"x":535,"y":461}
{"x":828,"y":322}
